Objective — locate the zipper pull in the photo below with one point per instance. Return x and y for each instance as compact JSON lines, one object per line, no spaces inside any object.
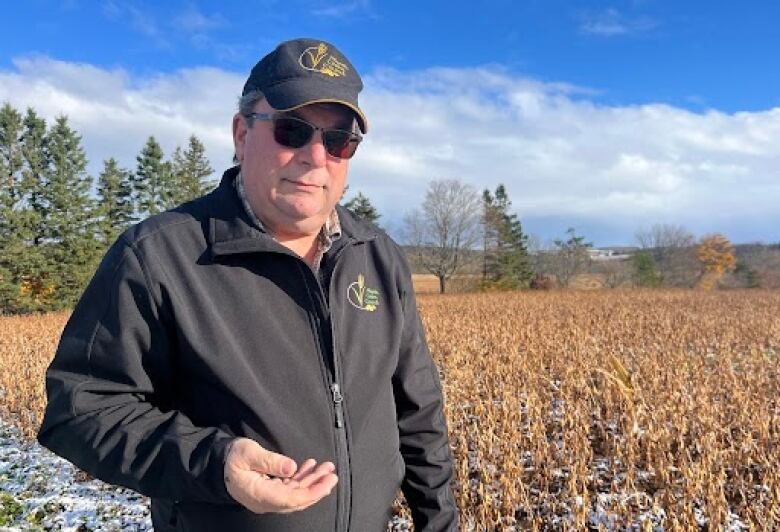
{"x":337,"y":399}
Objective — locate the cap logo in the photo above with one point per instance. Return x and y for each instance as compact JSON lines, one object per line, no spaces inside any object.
{"x":317,"y":59}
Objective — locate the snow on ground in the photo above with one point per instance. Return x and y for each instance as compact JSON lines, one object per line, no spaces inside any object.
{"x":50,"y":496}
{"x":41,"y":491}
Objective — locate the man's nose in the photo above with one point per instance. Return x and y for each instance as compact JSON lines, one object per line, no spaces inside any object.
{"x":315,"y":151}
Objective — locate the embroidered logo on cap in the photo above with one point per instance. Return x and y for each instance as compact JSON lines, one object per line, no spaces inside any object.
{"x":317,"y":59}
{"x":361,"y":296}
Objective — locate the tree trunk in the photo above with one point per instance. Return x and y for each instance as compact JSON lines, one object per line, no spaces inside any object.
{"x":441,"y":284}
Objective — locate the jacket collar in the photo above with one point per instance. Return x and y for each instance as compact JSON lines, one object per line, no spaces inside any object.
{"x":230,"y":230}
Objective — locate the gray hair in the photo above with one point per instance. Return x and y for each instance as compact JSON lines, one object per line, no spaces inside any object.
{"x":246,"y":106}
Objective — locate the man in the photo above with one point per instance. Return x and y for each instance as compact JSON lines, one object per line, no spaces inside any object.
{"x":254,"y":360}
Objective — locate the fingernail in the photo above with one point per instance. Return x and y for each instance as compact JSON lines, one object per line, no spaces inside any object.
{"x":287,"y":469}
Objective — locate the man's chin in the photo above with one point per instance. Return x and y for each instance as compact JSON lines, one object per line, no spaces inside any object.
{"x":305,"y":220}
{"x":303,"y":213}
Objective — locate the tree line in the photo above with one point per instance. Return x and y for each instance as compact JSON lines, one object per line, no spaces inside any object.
{"x":456,"y":232}
{"x":56,"y":220}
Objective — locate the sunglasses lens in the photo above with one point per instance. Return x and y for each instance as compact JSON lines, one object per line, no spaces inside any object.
{"x":292,"y":133}
{"x":340,"y":143}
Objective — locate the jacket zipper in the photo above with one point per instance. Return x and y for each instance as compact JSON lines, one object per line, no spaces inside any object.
{"x":342,"y":447}
{"x":342,"y":467}
{"x":344,"y":487}
{"x":337,"y":399}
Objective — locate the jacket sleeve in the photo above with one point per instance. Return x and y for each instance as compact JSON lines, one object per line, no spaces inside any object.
{"x":109,"y":408}
{"x":422,"y":427}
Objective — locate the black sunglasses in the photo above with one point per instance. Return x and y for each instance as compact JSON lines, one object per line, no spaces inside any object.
{"x":294,"y":132}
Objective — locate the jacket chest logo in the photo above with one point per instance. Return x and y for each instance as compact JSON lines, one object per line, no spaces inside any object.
{"x":362,"y":297}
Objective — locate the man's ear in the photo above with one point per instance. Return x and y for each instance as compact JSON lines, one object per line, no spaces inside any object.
{"x":239,"y":135}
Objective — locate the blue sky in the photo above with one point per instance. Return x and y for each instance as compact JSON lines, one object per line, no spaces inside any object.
{"x":608,"y":116}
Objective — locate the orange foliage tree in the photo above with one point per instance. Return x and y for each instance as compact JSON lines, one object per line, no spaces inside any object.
{"x":716,"y":255}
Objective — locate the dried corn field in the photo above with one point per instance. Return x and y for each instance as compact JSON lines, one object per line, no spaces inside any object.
{"x":648,"y":410}
{"x":27,"y":345}
{"x":612,"y":410}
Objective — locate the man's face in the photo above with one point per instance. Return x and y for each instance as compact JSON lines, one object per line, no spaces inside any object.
{"x":291,"y":190}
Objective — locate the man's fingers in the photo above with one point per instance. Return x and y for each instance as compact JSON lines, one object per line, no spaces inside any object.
{"x":279,"y":497}
{"x":264,"y":481}
{"x":324,"y":469}
{"x":270,"y":463}
{"x":305,"y":468}
{"x":303,"y":497}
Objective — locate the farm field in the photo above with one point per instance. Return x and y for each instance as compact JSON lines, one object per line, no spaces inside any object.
{"x":426,"y":283}
{"x":569,"y":410}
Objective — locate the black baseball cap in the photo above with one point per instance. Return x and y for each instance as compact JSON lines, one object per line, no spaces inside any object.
{"x":304,"y":71}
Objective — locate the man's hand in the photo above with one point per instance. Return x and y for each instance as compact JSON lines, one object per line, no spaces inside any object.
{"x":264,"y":481}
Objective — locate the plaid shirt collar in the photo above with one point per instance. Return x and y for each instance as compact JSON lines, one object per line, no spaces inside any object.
{"x":329,"y":233}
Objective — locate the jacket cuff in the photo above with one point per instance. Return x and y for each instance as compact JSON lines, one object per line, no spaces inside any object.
{"x":217,"y":475}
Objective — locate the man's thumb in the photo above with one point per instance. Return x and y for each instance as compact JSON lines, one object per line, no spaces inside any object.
{"x":270,"y":463}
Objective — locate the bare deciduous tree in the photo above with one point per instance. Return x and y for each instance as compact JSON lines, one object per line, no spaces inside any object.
{"x":535,"y":244}
{"x":445,"y":229}
{"x":570,"y":257}
{"x":616,"y":273}
{"x":664,"y":236}
{"x":672,"y":248}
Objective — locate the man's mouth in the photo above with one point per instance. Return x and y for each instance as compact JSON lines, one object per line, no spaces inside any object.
{"x":303,"y":184}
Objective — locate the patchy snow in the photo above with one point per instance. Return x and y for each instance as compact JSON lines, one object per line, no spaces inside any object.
{"x":41,"y":491}
{"x":52,"y":495}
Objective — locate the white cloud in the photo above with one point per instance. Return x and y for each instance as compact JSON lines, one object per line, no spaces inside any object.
{"x":193,"y":21}
{"x":561,"y":155}
{"x":115,"y":114}
{"x":197,"y":27}
{"x":186,"y":26}
{"x":611,"y":22}
{"x":142,"y":21}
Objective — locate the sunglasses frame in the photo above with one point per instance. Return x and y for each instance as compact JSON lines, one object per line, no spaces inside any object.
{"x":353,"y":137}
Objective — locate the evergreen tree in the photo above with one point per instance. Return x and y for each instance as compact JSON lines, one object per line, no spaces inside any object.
{"x":191,"y":169}
{"x":115,"y":200}
{"x":514,"y":263}
{"x":71,"y":246}
{"x":153,"y":181}
{"x":645,"y":270}
{"x":506,"y":261}
{"x":35,"y":150}
{"x":11,"y":162}
{"x":361,"y":207}
{"x":22,"y":266}
{"x":747,"y":274}
{"x":490,"y":224}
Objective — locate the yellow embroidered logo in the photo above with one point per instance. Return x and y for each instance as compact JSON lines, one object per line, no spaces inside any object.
{"x":317,"y":59}
{"x":361,"y":296}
